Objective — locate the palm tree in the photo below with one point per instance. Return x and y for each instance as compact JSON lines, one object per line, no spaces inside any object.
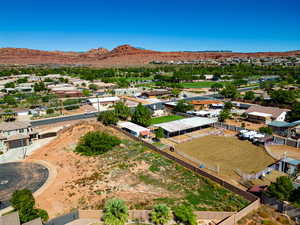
{"x":115,"y":212}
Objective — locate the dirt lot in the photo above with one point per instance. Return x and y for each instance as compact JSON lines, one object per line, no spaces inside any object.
{"x":228,"y":153}
{"x":131,"y":172}
{"x":278,"y":151}
{"x":248,"y":125}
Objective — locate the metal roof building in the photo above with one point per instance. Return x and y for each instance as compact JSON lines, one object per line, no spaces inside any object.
{"x":134,"y":129}
{"x":186,"y":125}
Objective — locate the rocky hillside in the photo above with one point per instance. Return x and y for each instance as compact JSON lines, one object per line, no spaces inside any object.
{"x":124,"y":55}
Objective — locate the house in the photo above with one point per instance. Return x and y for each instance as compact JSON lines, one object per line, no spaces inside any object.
{"x":155,"y":93}
{"x":127,"y":91}
{"x":103,"y":103}
{"x":262,"y":114}
{"x":16,"y":134}
{"x":205,"y":104}
{"x":286,"y":129}
{"x":13,"y":219}
{"x":134,"y":129}
{"x":186,"y":125}
{"x":288,"y":165}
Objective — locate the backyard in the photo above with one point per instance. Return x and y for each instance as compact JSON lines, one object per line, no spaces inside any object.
{"x":227,"y":153}
{"x":164,"y":119}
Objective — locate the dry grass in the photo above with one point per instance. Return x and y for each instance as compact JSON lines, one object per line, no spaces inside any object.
{"x":278,"y":151}
{"x":227,"y":152}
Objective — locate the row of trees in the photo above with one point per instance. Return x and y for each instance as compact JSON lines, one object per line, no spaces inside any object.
{"x":116,"y":213}
{"x":141,"y":115}
{"x":180,"y":72}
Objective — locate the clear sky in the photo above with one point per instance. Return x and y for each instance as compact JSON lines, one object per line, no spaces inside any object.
{"x":166,"y":25}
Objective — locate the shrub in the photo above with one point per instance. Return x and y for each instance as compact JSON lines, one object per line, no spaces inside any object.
{"x":50,"y":111}
{"x":281,"y":189}
{"x":23,"y":201}
{"x":160,"y":214}
{"x":184,"y":214}
{"x":265,"y":130}
{"x":159,"y":133}
{"x":115,"y":212}
{"x":71,"y":104}
{"x":141,"y":116}
{"x":96,"y":143}
{"x":108,"y":118}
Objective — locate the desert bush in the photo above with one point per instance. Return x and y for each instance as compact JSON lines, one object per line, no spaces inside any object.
{"x":115,"y":212}
{"x":160,"y":214}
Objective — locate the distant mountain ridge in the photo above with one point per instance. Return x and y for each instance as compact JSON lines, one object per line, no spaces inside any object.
{"x":124,"y":55}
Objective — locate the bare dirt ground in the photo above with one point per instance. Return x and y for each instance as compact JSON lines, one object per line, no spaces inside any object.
{"x":130,"y":172}
{"x":278,"y":151}
{"x":228,"y":153}
{"x":248,"y":125}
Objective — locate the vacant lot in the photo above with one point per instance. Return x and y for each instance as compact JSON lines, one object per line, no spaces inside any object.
{"x":201,"y":84}
{"x":279,"y":150}
{"x":228,"y":153}
{"x":131,"y":172}
{"x":164,"y":119}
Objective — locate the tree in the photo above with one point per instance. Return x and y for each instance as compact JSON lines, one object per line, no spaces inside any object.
{"x":160,"y":214}
{"x":40,"y":86}
{"x":249,"y":95}
{"x":22,"y":80}
{"x":141,"y":116}
{"x":108,"y":118}
{"x":224,"y":115}
{"x":86,"y":92}
{"x":159,"y":133}
{"x":281,"y":189}
{"x":228,"y":106}
{"x":183,"y":106}
{"x":10,"y":100}
{"x":71,"y":104}
{"x":96,"y":143}
{"x":230,"y":91}
{"x":122,"y":111}
{"x":265,"y":130}
{"x":93,"y":87}
{"x":123,"y":83}
{"x":184,"y":214}
{"x":283,"y":97}
{"x":216,"y":86}
{"x":115,"y":212}
{"x":175,"y":92}
{"x":23,"y":201}
{"x":10,"y":85}
{"x":294,"y":114}
{"x":50,"y":111}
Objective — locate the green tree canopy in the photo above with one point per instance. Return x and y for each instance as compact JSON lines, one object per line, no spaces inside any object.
{"x":159,"y":133}
{"x":184,"y":214}
{"x":23,"y":201}
{"x":175,"y":92}
{"x":40,"y":86}
{"x":224,"y":115}
{"x":216,"y":86}
{"x":160,"y":214}
{"x":141,"y":116}
{"x":265,"y":130}
{"x":108,"y":118}
{"x":71,"y":104}
{"x":281,"y":189}
{"x":283,"y":97}
{"x":10,"y":85}
{"x":249,"y":95}
{"x":230,"y":91}
{"x":96,"y":143}
{"x":294,"y":114}
{"x":115,"y":212}
{"x":122,"y":111}
{"x":86,"y":92}
{"x":183,"y":106}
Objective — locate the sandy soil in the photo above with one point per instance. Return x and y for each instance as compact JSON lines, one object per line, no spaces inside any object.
{"x":248,"y":125}
{"x":85,"y":182}
{"x":228,"y":153}
{"x":278,"y":151}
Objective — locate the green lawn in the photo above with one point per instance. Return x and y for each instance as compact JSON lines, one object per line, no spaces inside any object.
{"x":164,"y":119}
{"x":202,"y":84}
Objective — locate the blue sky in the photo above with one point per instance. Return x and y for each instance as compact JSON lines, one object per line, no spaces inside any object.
{"x":166,"y":25}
